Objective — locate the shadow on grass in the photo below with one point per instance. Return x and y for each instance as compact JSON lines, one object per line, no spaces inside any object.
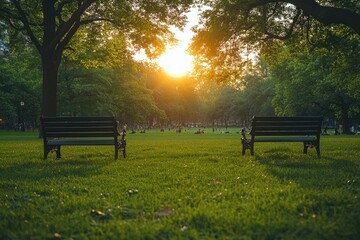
{"x":309,"y":171}
{"x":40,"y":170}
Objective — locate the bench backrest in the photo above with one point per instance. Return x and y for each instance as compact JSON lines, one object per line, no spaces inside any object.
{"x":286,"y":126}
{"x":56,"y":127}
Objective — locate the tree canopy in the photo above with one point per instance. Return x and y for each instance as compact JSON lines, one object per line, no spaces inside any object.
{"x":231,"y":30}
{"x":305,"y":43}
{"x":51,"y":25}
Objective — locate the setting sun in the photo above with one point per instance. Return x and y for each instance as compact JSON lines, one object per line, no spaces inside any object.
{"x":176,"y":62}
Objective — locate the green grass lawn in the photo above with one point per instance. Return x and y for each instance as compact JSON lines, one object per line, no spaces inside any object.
{"x":180,"y":186}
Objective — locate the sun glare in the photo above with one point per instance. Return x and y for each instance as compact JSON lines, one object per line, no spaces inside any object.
{"x":176,"y":62}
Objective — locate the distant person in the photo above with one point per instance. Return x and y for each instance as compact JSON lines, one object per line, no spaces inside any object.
{"x":341,"y":129}
{"x":199,"y":131}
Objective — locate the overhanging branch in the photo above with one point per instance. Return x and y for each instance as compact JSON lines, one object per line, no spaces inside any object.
{"x":59,"y":9}
{"x":14,"y":26}
{"x":329,"y":15}
{"x":61,"y":46}
{"x":324,"y":14}
{"x":289,"y":31}
{"x":67,"y":26}
{"x":23,"y":18}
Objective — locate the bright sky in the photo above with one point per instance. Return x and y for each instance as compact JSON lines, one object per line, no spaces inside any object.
{"x":176,"y":61}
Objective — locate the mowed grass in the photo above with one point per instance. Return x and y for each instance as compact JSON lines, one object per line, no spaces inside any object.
{"x":180,"y":186}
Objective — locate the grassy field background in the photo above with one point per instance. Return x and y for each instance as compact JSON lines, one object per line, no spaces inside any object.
{"x":180,"y":186}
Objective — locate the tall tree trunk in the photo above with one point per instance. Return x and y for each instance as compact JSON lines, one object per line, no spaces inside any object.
{"x":345,"y":118}
{"x":49,"y":91}
{"x":49,"y":64}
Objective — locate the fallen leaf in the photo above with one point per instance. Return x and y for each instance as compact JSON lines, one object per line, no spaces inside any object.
{"x":183,"y":228}
{"x":215,"y":181}
{"x":57,"y":235}
{"x":93,"y":223}
{"x":98,"y":213}
{"x":132,"y":191}
{"x":165,"y":212}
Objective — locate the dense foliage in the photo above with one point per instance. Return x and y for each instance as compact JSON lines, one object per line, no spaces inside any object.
{"x":52,"y":26}
{"x":98,"y":76}
{"x":20,"y":88}
{"x":312,"y":53}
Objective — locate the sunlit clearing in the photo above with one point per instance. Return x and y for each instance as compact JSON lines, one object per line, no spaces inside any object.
{"x":176,"y":62}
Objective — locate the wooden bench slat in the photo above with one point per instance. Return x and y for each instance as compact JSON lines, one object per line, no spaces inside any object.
{"x":77,"y":124}
{"x":56,"y":142}
{"x":289,"y":119}
{"x":263,"y":121}
{"x":283,"y":133}
{"x":80,"y":134}
{"x":288,"y":139}
{"x":80,"y":129}
{"x":286,"y":127}
{"x":77,"y":119}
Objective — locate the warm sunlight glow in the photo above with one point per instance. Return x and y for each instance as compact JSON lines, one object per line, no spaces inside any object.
{"x":176,"y":62}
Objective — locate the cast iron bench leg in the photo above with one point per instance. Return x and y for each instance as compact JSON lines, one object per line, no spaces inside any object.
{"x":246,"y":144}
{"x":318,"y":150}
{"x":243,"y":141}
{"x":117,"y":151}
{"x":46,"y":152}
{"x":58,"y":153}
{"x":305,"y":148}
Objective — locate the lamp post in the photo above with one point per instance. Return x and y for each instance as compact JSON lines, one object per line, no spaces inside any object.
{"x":22,"y":104}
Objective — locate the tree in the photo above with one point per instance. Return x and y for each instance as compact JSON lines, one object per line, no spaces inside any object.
{"x":19,"y":84}
{"x":134,"y":102}
{"x":51,"y":26}
{"x":318,"y":81}
{"x":231,"y":30}
{"x":240,"y":105}
{"x":176,"y":96}
{"x":105,"y":80}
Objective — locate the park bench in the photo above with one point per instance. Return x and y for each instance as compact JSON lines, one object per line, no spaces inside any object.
{"x":60,"y":131}
{"x":284,"y":129}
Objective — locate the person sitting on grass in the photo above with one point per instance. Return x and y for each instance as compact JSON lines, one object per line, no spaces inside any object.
{"x":199,"y":131}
